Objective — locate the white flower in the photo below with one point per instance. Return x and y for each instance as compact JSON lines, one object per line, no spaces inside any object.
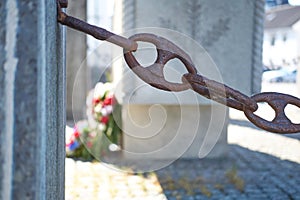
{"x":106,"y":110}
{"x":103,"y":112}
{"x":108,"y":86}
{"x":101,"y":127}
{"x":109,"y":109}
{"x":99,"y":92}
{"x":98,"y":108}
{"x":114,"y":147}
{"x":69,"y":131}
{"x":101,"y":89}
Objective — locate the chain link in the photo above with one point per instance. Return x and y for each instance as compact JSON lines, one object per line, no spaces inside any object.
{"x":154,"y":74}
{"x":216,"y":91}
{"x":281,"y":123}
{"x":220,"y":93}
{"x":97,"y":32}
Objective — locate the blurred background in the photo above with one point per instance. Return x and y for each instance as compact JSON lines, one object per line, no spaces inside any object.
{"x":281,"y":49}
{"x":258,"y":165}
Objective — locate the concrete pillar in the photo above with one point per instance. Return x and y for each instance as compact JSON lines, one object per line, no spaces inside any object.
{"x":32,"y":106}
{"x":76,"y":60}
{"x":230,"y":31}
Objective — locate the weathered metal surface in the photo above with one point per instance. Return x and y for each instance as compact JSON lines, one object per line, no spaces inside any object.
{"x":63,"y":3}
{"x":281,"y":123}
{"x":97,"y":32}
{"x":154,"y":74}
{"x":219,"y":92}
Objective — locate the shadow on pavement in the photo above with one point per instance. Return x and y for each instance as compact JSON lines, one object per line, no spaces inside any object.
{"x":242,"y":174}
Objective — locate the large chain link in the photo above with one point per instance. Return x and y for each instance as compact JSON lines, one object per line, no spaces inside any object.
{"x":166,"y":51}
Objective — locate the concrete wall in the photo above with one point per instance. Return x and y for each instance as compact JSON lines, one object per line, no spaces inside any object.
{"x":231,"y":34}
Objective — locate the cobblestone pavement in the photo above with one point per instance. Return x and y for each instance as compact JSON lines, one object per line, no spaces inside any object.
{"x":244,"y":174}
{"x":259,"y":165}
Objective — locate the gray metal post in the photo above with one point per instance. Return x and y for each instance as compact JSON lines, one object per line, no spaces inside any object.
{"x":32,"y":107}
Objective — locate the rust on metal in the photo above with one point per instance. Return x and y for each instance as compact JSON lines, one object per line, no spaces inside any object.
{"x":154,"y":74}
{"x":63,"y":3}
{"x":97,"y":32}
{"x":220,"y":93}
{"x":166,"y":51}
{"x":278,"y":101}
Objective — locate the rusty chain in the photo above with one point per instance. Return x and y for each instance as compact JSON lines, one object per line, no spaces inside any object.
{"x":97,"y":32}
{"x":166,"y":51}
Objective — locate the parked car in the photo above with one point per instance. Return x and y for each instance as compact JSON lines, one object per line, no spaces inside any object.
{"x":288,"y":74}
{"x":266,"y":68}
{"x":290,"y":77}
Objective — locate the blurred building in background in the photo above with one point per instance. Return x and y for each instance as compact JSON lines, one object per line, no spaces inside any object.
{"x":282,"y":37}
{"x":86,"y":62}
{"x":99,"y":13}
{"x":274,"y":3}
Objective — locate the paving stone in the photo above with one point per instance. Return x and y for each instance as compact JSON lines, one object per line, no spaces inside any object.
{"x":296,"y":196}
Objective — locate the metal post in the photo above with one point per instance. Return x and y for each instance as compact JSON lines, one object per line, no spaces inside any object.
{"x":32,"y":107}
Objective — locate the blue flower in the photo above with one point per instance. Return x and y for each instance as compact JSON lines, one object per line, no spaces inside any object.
{"x":74,"y":145}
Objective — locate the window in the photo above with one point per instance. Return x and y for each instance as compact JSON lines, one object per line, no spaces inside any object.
{"x":284,"y":38}
{"x":273,"y":39}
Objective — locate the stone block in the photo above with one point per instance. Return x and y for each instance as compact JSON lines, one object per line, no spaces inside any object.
{"x":172,"y":131}
{"x":224,"y":41}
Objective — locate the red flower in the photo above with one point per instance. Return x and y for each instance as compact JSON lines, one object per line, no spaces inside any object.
{"x":108,"y":101}
{"x":96,"y":101}
{"x":76,"y":132}
{"x":104,"y":120}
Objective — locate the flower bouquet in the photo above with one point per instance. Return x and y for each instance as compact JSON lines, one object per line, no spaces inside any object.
{"x":92,"y":138}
